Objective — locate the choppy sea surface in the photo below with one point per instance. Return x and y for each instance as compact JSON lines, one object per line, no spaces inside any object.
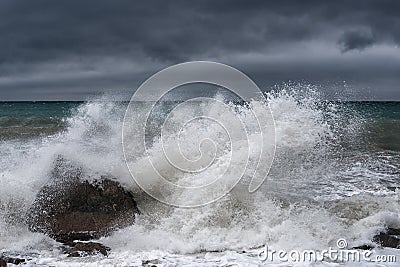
{"x":336,"y":175}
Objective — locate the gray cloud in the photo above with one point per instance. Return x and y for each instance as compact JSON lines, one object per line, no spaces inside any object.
{"x":50,"y":48}
{"x":356,"y":40}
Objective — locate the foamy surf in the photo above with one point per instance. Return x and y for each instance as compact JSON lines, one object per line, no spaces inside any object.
{"x":328,"y":181}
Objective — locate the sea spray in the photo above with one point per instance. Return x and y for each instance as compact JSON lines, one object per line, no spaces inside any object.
{"x":319,"y":188}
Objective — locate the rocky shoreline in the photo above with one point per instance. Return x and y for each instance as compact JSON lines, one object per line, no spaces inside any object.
{"x":74,"y":211}
{"x":387,"y":239}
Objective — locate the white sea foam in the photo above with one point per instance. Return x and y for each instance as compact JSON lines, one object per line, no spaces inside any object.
{"x":307,"y":202}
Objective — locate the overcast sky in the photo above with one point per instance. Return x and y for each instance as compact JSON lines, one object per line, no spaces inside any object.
{"x":72,"y":50}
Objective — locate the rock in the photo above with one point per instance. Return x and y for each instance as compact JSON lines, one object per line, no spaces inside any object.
{"x":15,"y":261}
{"x":393,"y":188}
{"x":150,"y":263}
{"x":6,"y":259}
{"x":393,"y":231}
{"x":387,"y":240}
{"x":70,"y":208}
{"x":82,"y":249}
{"x":364,"y":247}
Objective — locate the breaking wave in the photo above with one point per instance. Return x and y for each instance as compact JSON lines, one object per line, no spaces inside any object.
{"x":321,"y":186}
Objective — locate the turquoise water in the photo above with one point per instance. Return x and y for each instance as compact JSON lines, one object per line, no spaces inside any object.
{"x":38,"y":109}
{"x":381,"y":123}
{"x":59,"y":109}
{"x":31,"y":119}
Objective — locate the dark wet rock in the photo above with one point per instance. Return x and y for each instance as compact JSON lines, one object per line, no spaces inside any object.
{"x":393,"y":188}
{"x":150,"y":263}
{"x":71,"y":208}
{"x":83,"y":249}
{"x":364,"y":247}
{"x":13,"y":260}
{"x":393,"y":231}
{"x":387,"y":240}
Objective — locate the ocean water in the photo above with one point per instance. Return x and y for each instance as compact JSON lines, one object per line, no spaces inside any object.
{"x":336,"y":175}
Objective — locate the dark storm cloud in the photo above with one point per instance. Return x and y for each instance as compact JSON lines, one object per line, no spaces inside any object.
{"x":356,"y":39}
{"x":55,"y":47}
